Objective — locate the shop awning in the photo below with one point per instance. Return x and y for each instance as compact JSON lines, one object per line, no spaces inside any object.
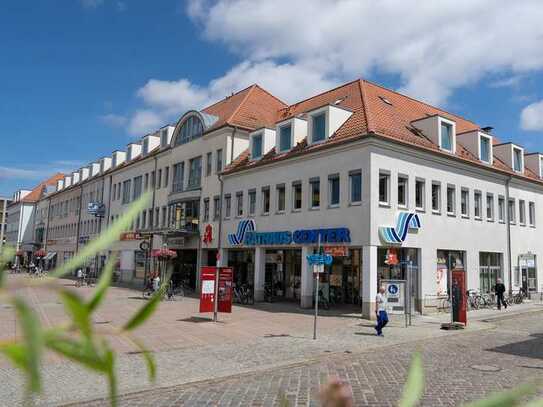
{"x":50,"y":256}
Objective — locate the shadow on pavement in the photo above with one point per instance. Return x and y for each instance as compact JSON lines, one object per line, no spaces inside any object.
{"x":532,"y":348}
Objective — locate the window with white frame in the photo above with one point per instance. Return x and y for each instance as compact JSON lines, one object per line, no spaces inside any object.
{"x":315,"y":193}
{"x":355,"y":185}
{"x":256,"y":150}
{"x":531,"y":213}
{"x":451,"y":199}
{"x":522,"y":212}
{"x":511,"y":211}
{"x":501,"y":209}
{"x":239,"y":204}
{"x":384,"y":188}
{"x":195,"y":173}
{"x":219,"y":160}
{"x":436,"y":197}
{"x":252,"y":201}
{"x":484,"y":148}
{"x":420,"y":186}
{"x":227,"y":205}
{"x":209,"y":163}
{"x":477,"y":203}
{"x":297,"y":195}
{"x":280,"y":189}
{"x":446,"y":136}
{"x":333,"y":190}
{"x":489,"y":207}
{"x":517,"y":159}
{"x":216,"y":207}
{"x":285,"y":137}
{"x":464,"y":202}
{"x":402,"y":190}
{"x":137,"y":187}
{"x":265,"y":200}
{"x":318,"y":127}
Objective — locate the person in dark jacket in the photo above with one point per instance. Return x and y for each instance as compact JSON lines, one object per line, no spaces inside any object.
{"x":499,"y":289}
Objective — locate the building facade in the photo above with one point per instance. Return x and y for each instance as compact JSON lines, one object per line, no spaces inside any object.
{"x":4,"y":202}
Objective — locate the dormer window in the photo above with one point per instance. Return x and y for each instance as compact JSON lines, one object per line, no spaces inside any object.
{"x":484,"y":149}
{"x":517,"y":159}
{"x":446,"y":137}
{"x":319,"y":128}
{"x":145,"y":146}
{"x":164,"y":138}
{"x":256,"y":150}
{"x":285,"y":137}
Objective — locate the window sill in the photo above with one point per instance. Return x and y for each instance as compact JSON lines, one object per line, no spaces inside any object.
{"x":357,"y":203}
{"x":478,"y":218}
{"x":333,"y":206}
{"x":315,"y":208}
{"x":280,"y":212}
{"x":502,"y":222}
{"x":451,"y":214}
{"x":532,"y":226}
{"x":384,"y":204}
{"x":512,"y":223}
{"x":522,"y":224}
{"x":265,"y":214}
{"x":490,"y":219}
{"x":402,"y":206}
{"x":297,"y":210}
{"x":420,"y":209}
{"x":435,"y":212}
{"x":465,"y":216}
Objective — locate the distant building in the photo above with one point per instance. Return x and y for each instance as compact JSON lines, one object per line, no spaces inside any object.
{"x":4,"y":202}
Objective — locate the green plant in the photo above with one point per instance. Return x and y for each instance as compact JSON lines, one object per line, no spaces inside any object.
{"x":78,"y":340}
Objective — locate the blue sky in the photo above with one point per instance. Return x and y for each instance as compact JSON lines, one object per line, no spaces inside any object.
{"x":81,"y":78}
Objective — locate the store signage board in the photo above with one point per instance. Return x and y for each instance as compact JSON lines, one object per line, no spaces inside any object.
{"x":132,"y":236}
{"x":336,"y":251}
{"x":226,"y":276}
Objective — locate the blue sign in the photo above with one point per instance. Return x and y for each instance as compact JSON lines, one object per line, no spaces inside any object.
{"x":246,"y":234}
{"x":393,"y":289}
{"x":314,"y":259}
{"x":397,"y":235}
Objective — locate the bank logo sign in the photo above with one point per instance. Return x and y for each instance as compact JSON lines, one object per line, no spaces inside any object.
{"x":246,"y":234}
{"x":397,"y":235}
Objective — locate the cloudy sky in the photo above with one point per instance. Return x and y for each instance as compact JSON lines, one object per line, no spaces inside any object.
{"x":80,"y":80}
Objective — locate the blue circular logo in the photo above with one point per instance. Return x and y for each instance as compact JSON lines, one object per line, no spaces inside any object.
{"x":393,"y":289}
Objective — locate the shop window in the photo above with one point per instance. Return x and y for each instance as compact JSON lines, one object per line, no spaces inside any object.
{"x":206,"y":210}
{"x":512,"y":211}
{"x":355,"y":184}
{"x":419,"y":194}
{"x":280,"y":198}
{"x":239,"y":204}
{"x":522,"y":212}
{"x":384,"y":188}
{"x":464,"y":202}
{"x":402,"y":191}
{"x":501,"y":209}
{"x":436,"y":197}
{"x":227,"y":205}
{"x":531,"y":213}
{"x":451,"y":200}
{"x":297,"y":195}
{"x":333,"y":190}
{"x":490,"y":269}
{"x":315,"y":193}
{"x":265,"y":200}
{"x":252,"y":202}
{"x":489,"y":207}
{"x":477,"y":204}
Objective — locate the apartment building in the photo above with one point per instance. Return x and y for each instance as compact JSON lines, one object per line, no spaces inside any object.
{"x":4,"y":202}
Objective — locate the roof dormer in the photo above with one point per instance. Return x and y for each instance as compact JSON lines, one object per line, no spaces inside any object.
{"x":324,"y":121}
{"x":94,"y":169}
{"x":60,"y":184}
{"x":75,"y":177}
{"x":118,"y":157}
{"x":105,"y":164}
{"x":534,"y":161}
{"x":440,"y":130}
{"x":67,"y":181}
{"x":261,"y":141}
{"x":133,"y":150}
{"x":150,"y":142}
{"x":512,"y":155}
{"x":166,"y":134}
{"x":479,"y":144}
{"x":289,"y":133}
{"x":84,"y":173}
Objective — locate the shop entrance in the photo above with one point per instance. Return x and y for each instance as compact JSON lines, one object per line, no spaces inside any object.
{"x":283,"y":273}
{"x":342,"y":280}
{"x":242,"y":262}
{"x":528,"y":273}
{"x":490,"y":269}
{"x":184,"y":268}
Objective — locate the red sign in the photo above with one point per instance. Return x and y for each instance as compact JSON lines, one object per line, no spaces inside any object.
{"x":207,"y":289}
{"x":208,"y":234}
{"x":392,"y":257}
{"x":131,"y":236}
{"x":336,"y":251}
{"x":459,"y":300}
{"x":226,"y":275}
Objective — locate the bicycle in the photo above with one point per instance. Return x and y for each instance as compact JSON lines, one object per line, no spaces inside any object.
{"x":473,"y":299}
{"x":174,"y":292}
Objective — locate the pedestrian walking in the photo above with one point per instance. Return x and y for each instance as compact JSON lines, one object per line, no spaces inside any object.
{"x":499,"y":289}
{"x":381,"y":311}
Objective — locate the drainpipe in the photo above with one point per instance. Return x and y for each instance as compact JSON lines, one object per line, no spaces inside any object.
{"x":46,"y":237}
{"x":508,"y":235}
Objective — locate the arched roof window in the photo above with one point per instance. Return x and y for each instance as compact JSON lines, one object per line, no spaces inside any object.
{"x":191,"y":129}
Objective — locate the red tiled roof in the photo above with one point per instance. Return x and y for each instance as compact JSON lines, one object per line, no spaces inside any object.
{"x":377,"y":111}
{"x":37,"y":192}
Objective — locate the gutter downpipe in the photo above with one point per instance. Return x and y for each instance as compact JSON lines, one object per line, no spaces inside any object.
{"x":147,"y":258}
{"x":46,"y":237}
{"x":510,"y":284}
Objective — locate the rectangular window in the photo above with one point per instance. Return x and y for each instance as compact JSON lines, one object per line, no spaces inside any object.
{"x":297,"y":195}
{"x":333,"y":190}
{"x":137,"y":187}
{"x":209,"y":163}
{"x":517,"y":159}
{"x":165,"y":211}
{"x":319,"y":127}
{"x":119,"y":190}
{"x":150,"y":218}
{"x":315,"y":193}
{"x":219,"y":160}
{"x":227,"y":205}
{"x":159,"y":179}
{"x":114,"y":191}
{"x":477,"y":204}
{"x":501,"y":209}
{"x":446,"y":136}
{"x":178,"y":177}
{"x":144,"y":219}
{"x":464,"y":202}
{"x":239,"y":204}
{"x":166,"y":176}
{"x":522,"y":212}
{"x":531,"y":213}
{"x":257,"y":146}
{"x":436,"y":196}
{"x":146,"y":184}
{"x":384,"y":188}
{"x":512,"y":211}
{"x":489,"y":207}
{"x":206,"y":209}
{"x":484,"y":149}
{"x":355,"y":184}
{"x":451,"y":200}
{"x":419,"y":194}
{"x":285,"y":137}
{"x":216,"y":207}
{"x":402,"y":190}
{"x":266,"y":200}
{"x":126,"y":191}
{"x":195,"y":173}
{"x":280,"y":189}
{"x":252,"y":202}
{"x":152,"y":179}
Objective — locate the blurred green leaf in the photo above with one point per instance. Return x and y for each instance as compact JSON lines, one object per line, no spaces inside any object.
{"x":147,"y":356}
{"x":6,"y":255}
{"x":78,"y":311}
{"x":32,"y":339}
{"x":16,"y":352}
{"x":534,"y":403}
{"x":507,"y":398}
{"x":414,"y":386}
{"x":109,"y":358}
{"x":147,"y":309}
{"x":106,"y":239}
{"x":103,"y":284}
{"x":73,"y":349}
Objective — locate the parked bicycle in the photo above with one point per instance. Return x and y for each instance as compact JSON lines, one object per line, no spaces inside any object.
{"x":268,"y":292}
{"x":174,"y":293}
{"x":243,"y":294}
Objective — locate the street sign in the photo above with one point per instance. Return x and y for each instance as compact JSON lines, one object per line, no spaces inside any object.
{"x":314,"y":259}
{"x":144,"y":246}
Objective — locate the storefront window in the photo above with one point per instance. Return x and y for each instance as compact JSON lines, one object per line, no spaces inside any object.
{"x":490,"y":269}
{"x":283,"y":273}
{"x":447,"y":260}
{"x":242,"y":261}
{"x":342,"y":280}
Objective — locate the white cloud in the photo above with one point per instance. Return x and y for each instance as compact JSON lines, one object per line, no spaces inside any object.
{"x":114,"y":120}
{"x":144,"y":121}
{"x":40,"y":171}
{"x":531,"y":117}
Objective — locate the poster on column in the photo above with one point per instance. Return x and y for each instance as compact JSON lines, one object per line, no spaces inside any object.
{"x":207,"y":293}
{"x":459,"y":300}
{"x":226,"y":275}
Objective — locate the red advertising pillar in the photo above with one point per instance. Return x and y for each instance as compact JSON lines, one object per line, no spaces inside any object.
{"x":225,"y":289}
{"x":226,"y":275}
{"x":207,"y":292}
{"x":459,"y":298}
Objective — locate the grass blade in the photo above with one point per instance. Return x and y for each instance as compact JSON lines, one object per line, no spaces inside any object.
{"x":103,"y":284}
{"x":414,"y":386}
{"x":6,"y":255}
{"x":15,"y":352}
{"x":507,"y":398}
{"x":147,"y":356}
{"x":78,"y":311}
{"x":106,"y":239}
{"x":82,"y":353}
{"x":144,"y":312}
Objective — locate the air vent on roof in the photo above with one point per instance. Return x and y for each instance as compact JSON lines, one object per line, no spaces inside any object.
{"x":337,"y":102}
{"x":487,"y":129}
{"x":385,"y":100}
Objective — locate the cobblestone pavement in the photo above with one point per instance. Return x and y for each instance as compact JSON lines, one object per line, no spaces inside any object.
{"x":252,"y":340}
{"x":458,"y":368}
